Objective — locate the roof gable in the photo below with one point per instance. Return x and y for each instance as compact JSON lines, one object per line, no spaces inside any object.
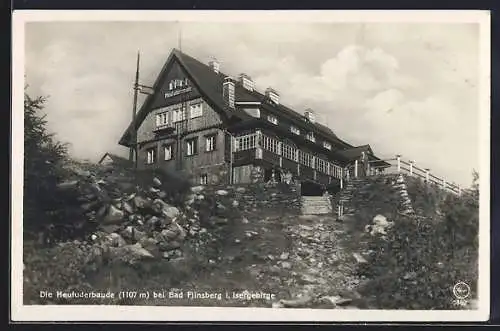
{"x":202,"y":79}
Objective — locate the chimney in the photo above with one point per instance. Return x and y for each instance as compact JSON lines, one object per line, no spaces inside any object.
{"x":309,"y":115}
{"x":214,"y":65}
{"x":247,"y":82}
{"x":228,"y":92}
{"x":272,"y":95}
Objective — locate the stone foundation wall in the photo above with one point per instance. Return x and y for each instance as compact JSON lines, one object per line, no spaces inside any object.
{"x":260,"y":196}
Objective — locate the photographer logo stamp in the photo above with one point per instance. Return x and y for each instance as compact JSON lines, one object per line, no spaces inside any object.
{"x":461,"y":292}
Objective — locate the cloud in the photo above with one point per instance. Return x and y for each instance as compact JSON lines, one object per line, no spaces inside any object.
{"x":407,"y":88}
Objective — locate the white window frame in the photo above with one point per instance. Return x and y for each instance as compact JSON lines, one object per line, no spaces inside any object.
{"x":311,"y":137}
{"x":210,"y":143}
{"x":191,"y":147}
{"x":327,"y":145}
{"x":151,"y":156}
{"x":162,"y":119}
{"x":295,"y":130}
{"x":196,"y":110}
{"x":170,"y":155}
{"x":273,"y":119}
{"x":179,"y":115}
{"x":203,"y":179}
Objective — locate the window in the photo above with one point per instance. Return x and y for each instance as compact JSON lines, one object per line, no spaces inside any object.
{"x":295,"y":130}
{"x":204,"y":179}
{"x":196,"y":110}
{"x":168,"y":150}
{"x":191,"y":146}
{"x":273,"y":119}
{"x":310,"y":136}
{"x":177,"y":83}
{"x":327,"y":145}
{"x":150,"y":155}
{"x":179,"y":115}
{"x":210,"y":143}
{"x":162,"y":119}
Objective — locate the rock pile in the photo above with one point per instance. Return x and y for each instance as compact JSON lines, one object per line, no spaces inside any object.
{"x":135,"y":223}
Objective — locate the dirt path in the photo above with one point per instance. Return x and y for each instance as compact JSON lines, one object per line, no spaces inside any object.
{"x":293,"y":257}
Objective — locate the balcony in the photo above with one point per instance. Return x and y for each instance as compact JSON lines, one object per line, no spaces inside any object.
{"x":258,"y":146}
{"x":163,"y":129}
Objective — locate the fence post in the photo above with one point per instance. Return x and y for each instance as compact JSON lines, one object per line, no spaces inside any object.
{"x":427,"y":174}
{"x":411,"y":168}
{"x":398,"y":158}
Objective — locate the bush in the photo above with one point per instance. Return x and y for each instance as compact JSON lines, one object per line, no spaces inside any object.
{"x":422,"y":259}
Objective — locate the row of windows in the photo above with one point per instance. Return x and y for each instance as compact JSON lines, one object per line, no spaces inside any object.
{"x":177,"y":84}
{"x":179,"y":114}
{"x":191,"y":148}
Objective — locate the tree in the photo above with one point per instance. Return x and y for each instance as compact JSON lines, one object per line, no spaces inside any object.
{"x":43,"y":157}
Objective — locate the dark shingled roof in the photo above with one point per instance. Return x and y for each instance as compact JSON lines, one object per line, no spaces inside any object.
{"x":209,"y":83}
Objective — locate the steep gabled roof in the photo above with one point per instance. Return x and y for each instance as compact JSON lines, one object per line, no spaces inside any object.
{"x":209,"y":84}
{"x":116,"y":159}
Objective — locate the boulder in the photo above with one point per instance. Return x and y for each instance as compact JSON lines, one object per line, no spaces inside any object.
{"x":68,"y":185}
{"x":141,"y":203}
{"x":156,"y":182}
{"x":132,"y":253}
{"x":300,"y":302}
{"x":115,"y":240}
{"x":359,"y":258}
{"x":132,"y":233}
{"x":284,"y":255}
{"x":113,"y":216}
{"x":222,"y":192}
{"x":110,"y":228}
{"x":197,"y":189}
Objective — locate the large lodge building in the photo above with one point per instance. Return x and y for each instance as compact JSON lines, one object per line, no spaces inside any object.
{"x":216,"y":130}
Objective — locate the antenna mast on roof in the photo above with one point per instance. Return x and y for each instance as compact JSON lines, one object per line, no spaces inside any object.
{"x":133,"y":148}
{"x":179,"y":37}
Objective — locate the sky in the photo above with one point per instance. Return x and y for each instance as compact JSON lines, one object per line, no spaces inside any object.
{"x":403,"y":88}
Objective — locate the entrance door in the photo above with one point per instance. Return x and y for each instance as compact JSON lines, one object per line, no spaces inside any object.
{"x":310,"y":188}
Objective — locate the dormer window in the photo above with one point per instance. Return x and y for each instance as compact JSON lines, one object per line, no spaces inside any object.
{"x":310,"y":136}
{"x":295,"y":130}
{"x":327,"y":145}
{"x":273,"y":119}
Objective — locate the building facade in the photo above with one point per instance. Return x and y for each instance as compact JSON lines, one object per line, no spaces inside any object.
{"x":216,"y":129}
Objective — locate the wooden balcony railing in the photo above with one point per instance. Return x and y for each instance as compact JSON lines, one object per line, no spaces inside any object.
{"x":261,"y":142}
{"x":397,"y":165}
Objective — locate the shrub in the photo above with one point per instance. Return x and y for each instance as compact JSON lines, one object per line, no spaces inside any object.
{"x":421,"y":259}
